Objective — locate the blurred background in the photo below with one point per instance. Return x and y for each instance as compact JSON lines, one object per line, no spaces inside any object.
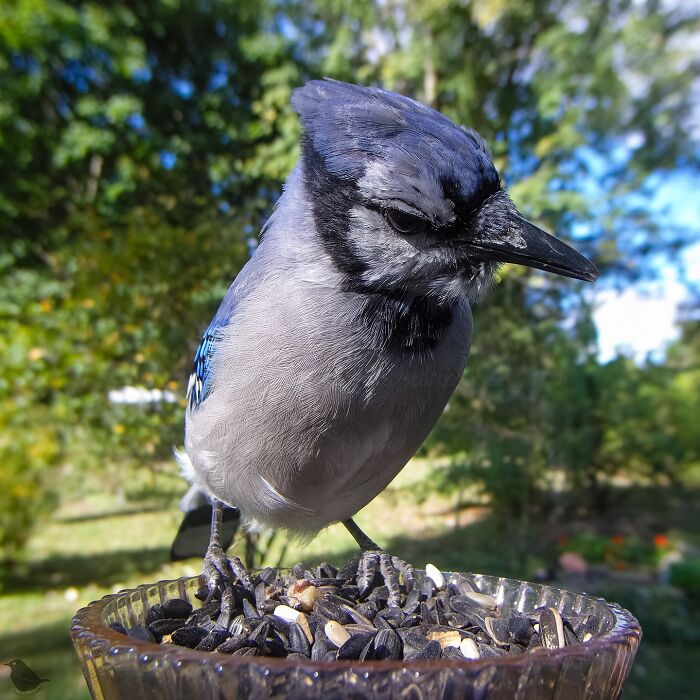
{"x":142,"y":146}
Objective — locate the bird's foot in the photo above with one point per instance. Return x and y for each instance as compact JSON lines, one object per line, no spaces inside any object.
{"x":390,"y":568}
{"x":220,"y":572}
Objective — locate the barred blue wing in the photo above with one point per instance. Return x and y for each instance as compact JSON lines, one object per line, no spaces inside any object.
{"x":199,"y":384}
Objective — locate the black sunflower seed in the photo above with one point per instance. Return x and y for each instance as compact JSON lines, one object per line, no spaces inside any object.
{"x":118,"y":627}
{"x":427,"y":588}
{"x":247,"y":651}
{"x":349,"y":570}
{"x":487,"y":650}
{"x":298,"y":641}
{"x":388,"y":645}
{"x":189,"y":636}
{"x":550,"y":628}
{"x":411,"y":621}
{"x":209,"y":611}
{"x":412,"y":601}
{"x":520,"y":628}
{"x":155,"y":612}
{"x":233,"y":644}
{"x":353,"y":648}
{"x":497,"y":629}
{"x":267,"y":575}
{"x":249,"y":610}
{"x":429,"y":652}
{"x":259,"y":633}
{"x":452,"y":653}
{"x":176,"y":608}
{"x":145,"y":634}
{"x":159,"y":628}
{"x":319,"y":649}
{"x":214,"y":638}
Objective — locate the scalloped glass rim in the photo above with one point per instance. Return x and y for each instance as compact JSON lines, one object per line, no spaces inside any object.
{"x":91,"y":625}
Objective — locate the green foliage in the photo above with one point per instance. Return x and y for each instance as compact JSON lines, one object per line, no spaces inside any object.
{"x":686,"y":576}
{"x":617,"y":551}
{"x":142,"y":146}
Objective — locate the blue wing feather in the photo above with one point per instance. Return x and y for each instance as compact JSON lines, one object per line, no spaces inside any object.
{"x":199,"y":383}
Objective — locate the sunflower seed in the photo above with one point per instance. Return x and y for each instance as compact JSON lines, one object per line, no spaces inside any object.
{"x":497,"y":629}
{"x":214,"y":639}
{"x":162,"y":627}
{"x":176,"y":608}
{"x":233,"y":643}
{"x":435,"y":574}
{"x":319,"y":649}
{"x":146,"y":634}
{"x":429,"y":652}
{"x":298,"y":641}
{"x":353,"y":647}
{"x":469,"y":648}
{"x":302,"y":594}
{"x":286,"y":613}
{"x":452,"y":653}
{"x":155,"y":612}
{"x":387,"y":645}
{"x":448,"y":638}
{"x":552,"y":629}
{"x":118,"y":627}
{"x":336,"y":633}
{"x":189,"y":636}
{"x":249,"y":612}
{"x":520,"y":628}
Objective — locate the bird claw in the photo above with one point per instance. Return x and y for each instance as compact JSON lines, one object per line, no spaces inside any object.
{"x":390,"y":569}
{"x":220,"y":572}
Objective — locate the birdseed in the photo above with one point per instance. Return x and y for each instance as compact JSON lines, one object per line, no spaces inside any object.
{"x":319,"y":614}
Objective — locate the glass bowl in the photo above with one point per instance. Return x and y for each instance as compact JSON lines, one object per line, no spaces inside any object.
{"x":118,"y":667}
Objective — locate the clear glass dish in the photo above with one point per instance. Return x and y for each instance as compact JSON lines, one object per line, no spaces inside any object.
{"x":121,"y":668}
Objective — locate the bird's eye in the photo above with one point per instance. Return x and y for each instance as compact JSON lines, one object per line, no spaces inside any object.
{"x":405,"y":223}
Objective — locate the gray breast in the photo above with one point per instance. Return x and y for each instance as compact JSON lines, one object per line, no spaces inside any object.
{"x":314,"y":412}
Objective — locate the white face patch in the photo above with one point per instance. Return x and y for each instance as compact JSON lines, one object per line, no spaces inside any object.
{"x":418,"y":192}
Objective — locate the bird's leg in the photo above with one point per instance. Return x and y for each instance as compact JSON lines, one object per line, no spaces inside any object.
{"x":373,"y":557}
{"x":220,"y":570}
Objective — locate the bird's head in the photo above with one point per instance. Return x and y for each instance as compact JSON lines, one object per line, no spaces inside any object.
{"x":408,"y":202}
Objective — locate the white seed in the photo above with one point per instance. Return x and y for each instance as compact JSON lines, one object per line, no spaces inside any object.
{"x":336,"y":633}
{"x":431,"y":571}
{"x":469,"y":649}
{"x":304,"y":624}
{"x":287,"y":613}
{"x":482,"y":599}
{"x":451,"y":638}
{"x":302,"y":594}
{"x":587,"y":636}
{"x":536,"y":627}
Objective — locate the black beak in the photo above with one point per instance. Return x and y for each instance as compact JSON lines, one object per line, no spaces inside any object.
{"x":506,"y":236}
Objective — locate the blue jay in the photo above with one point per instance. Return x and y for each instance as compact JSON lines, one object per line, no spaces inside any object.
{"x":336,"y":348}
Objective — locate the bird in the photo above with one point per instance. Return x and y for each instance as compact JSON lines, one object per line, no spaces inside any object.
{"x":339,"y":343}
{"x":22,"y":677}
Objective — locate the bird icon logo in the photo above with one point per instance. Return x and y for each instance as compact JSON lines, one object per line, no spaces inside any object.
{"x":23,"y":678}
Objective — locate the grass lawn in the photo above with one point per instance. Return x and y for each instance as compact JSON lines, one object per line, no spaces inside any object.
{"x":97,"y":546}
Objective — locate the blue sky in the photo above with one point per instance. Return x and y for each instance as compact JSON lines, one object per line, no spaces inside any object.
{"x":641,"y":319}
